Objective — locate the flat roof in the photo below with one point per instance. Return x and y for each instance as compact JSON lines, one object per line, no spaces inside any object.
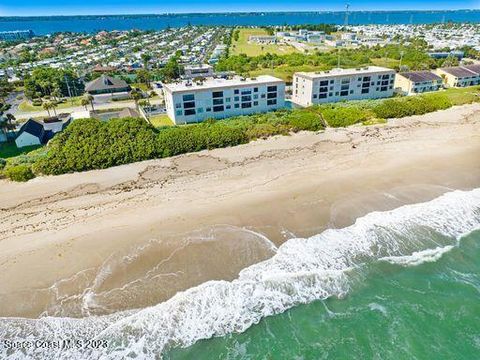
{"x":420,"y":76}
{"x":213,"y":83}
{"x":344,"y":72}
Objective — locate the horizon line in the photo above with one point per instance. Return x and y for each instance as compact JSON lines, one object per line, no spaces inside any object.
{"x":238,"y":12}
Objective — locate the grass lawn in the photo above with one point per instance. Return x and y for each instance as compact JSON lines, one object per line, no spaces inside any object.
{"x":27,"y":106}
{"x":461,"y":96}
{"x":161,"y":120}
{"x":141,"y":86}
{"x":385,"y":62}
{"x":9,"y":149}
{"x":242,"y":46}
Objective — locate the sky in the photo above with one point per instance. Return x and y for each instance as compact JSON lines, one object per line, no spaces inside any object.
{"x":90,"y":7}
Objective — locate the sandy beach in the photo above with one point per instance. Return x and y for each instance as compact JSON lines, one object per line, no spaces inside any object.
{"x":132,"y":236}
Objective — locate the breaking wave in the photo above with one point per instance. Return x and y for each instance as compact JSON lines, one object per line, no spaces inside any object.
{"x":301,"y":271}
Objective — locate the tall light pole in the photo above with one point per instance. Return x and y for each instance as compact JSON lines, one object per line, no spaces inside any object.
{"x":347,"y":7}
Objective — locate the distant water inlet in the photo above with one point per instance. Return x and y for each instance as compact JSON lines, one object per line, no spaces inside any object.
{"x":325,"y":266}
{"x":52,"y":24}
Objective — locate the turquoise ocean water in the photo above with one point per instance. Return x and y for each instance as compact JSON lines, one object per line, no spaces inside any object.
{"x":400,"y":284}
{"x":429,"y":310}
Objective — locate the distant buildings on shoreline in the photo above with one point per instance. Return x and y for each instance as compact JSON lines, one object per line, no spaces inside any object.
{"x":16,"y":35}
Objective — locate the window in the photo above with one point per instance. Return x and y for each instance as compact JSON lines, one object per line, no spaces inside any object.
{"x":344,"y":87}
{"x":272,"y":102}
{"x":237,"y":106}
{"x":384,"y":88}
{"x":189,"y":112}
{"x":228,"y":107}
{"x":366,"y":78}
{"x":227,"y":99}
{"x":178,"y":105}
{"x":332,"y":81}
{"x":272,"y":88}
{"x":255,"y":89}
{"x":246,"y":98}
{"x":322,"y":96}
{"x":179,"y":113}
{"x":200,"y":110}
{"x":324,"y":83}
{"x":330,"y":94}
{"x":255,"y":103}
{"x":188,"y":97}
{"x":246,"y":105}
{"x":323,"y":89}
{"x":189,"y":105}
{"x":218,"y":108}
{"x":365,"y":85}
{"x":246,"y":92}
{"x":315,"y":96}
{"x":208,"y":109}
{"x":262,"y":96}
{"x":237,"y":98}
{"x":236,"y":91}
{"x":217,"y":101}
{"x":217,"y":94}
{"x":271,"y":95}
{"x":365,"y":91}
{"x":255,"y":96}
{"x":351,"y":92}
{"x":343,"y":93}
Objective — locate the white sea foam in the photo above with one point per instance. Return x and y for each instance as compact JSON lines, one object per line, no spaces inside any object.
{"x":301,"y":271}
{"x":419,"y":257}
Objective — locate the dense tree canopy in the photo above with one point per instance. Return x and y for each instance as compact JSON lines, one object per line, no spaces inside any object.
{"x":43,"y":81}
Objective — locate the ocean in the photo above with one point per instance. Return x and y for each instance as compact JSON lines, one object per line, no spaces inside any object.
{"x":51,"y":24}
{"x":399,"y":284}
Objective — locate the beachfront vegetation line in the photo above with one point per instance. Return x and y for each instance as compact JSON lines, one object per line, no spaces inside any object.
{"x":89,"y":144}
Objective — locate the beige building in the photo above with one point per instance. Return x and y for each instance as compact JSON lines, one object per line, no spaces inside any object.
{"x":373,"y":82}
{"x":460,"y":76}
{"x":416,"y":82}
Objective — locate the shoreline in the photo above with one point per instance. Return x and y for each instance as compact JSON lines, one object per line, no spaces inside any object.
{"x":61,"y":231}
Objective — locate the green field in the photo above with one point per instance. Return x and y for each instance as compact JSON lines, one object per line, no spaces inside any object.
{"x":27,"y":106}
{"x":161,"y":120}
{"x":9,"y":149}
{"x":242,"y":46}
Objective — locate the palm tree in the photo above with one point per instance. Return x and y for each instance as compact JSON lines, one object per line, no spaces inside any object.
{"x":90,"y":99}
{"x":47,"y":106}
{"x":53,"y":105}
{"x":136,"y":95}
{"x":6,"y":123}
{"x":85,"y":102}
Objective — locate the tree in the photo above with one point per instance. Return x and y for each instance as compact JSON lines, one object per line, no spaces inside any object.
{"x":47,"y":106}
{"x":5,"y":88}
{"x":45,"y":80}
{"x":136,"y":96}
{"x":172,"y":69}
{"x":7,"y":123}
{"x":84,"y":103}
{"x":144,"y":76}
{"x":89,"y":98}
{"x":146,"y":58}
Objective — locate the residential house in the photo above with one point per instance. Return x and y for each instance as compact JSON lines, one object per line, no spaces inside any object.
{"x":460,"y":76}
{"x":106,"y":85}
{"x":39,"y":132}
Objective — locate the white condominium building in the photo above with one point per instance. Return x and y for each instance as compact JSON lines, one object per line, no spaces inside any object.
{"x":373,"y":82}
{"x":189,"y":102}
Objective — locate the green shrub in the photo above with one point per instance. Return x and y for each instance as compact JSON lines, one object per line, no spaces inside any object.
{"x":19,"y":172}
{"x":3,"y":162}
{"x":413,"y":105}
{"x":339,"y":116}
{"x":304,"y":120}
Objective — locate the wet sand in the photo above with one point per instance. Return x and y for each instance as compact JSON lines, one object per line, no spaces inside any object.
{"x":132,"y":236}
